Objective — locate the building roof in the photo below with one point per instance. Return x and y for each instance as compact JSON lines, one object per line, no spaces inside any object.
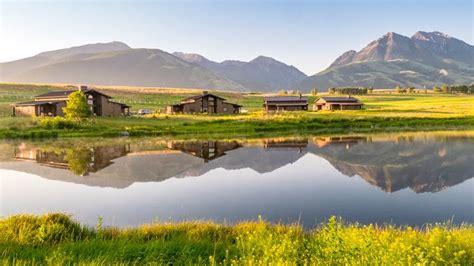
{"x":339,"y":99}
{"x":291,"y":104}
{"x":122,"y":104}
{"x":60,"y":94}
{"x":36,"y":103}
{"x":234,"y":104}
{"x":195,"y":97}
{"x":285,"y":99}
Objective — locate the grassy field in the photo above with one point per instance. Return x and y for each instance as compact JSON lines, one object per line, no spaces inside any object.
{"x":383,"y":111}
{"x":59,"y":240}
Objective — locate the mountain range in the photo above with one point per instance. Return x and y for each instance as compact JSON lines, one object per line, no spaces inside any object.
{"x":425,"y":59}
{"x":260,"y":74}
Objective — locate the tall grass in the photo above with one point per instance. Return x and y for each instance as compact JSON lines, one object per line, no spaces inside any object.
{"x":57,"y":239}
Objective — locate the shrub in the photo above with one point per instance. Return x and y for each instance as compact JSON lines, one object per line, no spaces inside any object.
{"x":57,"y":123}
{"x":348,"y":90}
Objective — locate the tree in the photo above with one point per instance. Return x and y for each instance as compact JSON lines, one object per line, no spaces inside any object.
{"x":445,"y":88}
{"x":314,"y":91}
{"x":411,"y":90}
{"x":370,"y":90}
{"x":77,"y":107}
{"x":282,"y":92}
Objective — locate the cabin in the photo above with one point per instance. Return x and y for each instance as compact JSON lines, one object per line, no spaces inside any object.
{"x":206,"y":103}
{"x":52,"y":104}
{"x":337,"y":103}
{"x":285,"y":103}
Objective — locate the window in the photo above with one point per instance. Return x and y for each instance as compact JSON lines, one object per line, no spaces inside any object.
{"x":225,"y":109}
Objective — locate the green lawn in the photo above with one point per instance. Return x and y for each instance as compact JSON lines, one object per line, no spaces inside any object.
{"x":59,"y":240}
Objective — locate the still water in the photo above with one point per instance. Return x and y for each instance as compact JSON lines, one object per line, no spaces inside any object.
{"x":411,"y":178}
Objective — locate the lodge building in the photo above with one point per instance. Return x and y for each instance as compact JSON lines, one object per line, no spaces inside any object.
{"x":285,"y":103}
{"x":337,"y":103}
{"x":52,"y":104}
{"x":206,"y":103}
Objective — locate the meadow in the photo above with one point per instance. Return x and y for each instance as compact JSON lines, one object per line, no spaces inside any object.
{"x":383,"y":111}
{"x":58,"y":239}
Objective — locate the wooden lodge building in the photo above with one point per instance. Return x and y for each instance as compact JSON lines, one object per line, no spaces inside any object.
{"x":206,"y":103}
{"x":52,"y":104}
{"x":285,"y":103}
{"x":337,"y":103}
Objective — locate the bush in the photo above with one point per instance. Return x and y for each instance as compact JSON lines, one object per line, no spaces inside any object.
{"x":455,"y":89}
{"x":348,"y":90}
{"x":47,"y":229}
{"x":57,"y":123}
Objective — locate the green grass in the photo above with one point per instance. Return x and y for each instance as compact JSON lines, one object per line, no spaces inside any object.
{"x":57,"y":239}
{"x":230,"y":126}
{"x":383,"y":111}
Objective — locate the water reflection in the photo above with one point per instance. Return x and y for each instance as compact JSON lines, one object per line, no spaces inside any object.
{"x":376,"y":178}
{"x":79,"y":160}
{"x":421,"y":162}
{"x":208,"y":150}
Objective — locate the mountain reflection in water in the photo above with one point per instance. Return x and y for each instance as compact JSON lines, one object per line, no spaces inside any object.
{"x":423,"y":163}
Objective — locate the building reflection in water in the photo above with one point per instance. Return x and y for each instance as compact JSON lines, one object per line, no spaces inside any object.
{"x":208,"y":150}
{"x":298,"y":144}
{"x":391,"y":163}
{"x":80,"y":161}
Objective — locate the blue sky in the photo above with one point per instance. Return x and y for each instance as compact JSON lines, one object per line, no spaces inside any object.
{"x":306,"y":34}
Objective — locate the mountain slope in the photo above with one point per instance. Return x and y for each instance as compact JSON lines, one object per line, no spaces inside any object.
{"x":425,"y":59}
{"x":260,"y":74}
{"x":9,"y":70}
{"x":114,"y":64}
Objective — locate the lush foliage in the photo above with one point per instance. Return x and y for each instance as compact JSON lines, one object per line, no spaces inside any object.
{"x":348,"y":90}
{"x":77,"y":107}
{"x":57,"y":123}
{"x":56,"y":239}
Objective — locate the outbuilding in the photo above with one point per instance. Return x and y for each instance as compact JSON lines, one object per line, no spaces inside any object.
{"x":207,"y":103}
{"x":285,"y":103}
{"x":337,"y":103}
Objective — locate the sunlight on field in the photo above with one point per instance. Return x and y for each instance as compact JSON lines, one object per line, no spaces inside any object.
{"x":380,"y":104}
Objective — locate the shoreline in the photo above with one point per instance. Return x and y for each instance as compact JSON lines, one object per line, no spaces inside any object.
{"x":222,"y":127}
{"x":58,"y":239}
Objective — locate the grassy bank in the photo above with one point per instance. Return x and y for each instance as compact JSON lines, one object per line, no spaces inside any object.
{"x":228,"y":127}
{"x":57,"y":239}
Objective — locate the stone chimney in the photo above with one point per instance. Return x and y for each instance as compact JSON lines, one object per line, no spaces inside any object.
{"x":82,"y":87}
{"x":205,"y":92}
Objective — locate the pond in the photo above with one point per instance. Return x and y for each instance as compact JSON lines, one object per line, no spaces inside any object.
{"x":403,"y":178}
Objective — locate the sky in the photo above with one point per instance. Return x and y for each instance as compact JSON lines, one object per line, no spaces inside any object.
{"x":306,"y":34}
